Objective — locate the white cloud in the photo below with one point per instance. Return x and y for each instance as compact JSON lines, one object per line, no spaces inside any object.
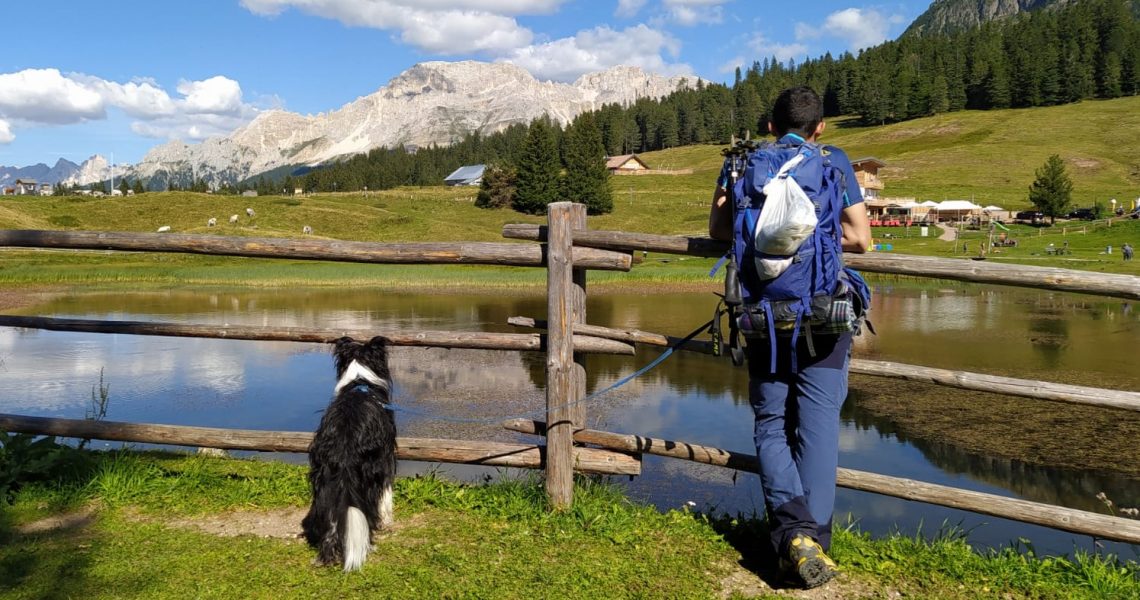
{"x":860,"y":28}
{"x":206,"y":108}
{"x":452,"y":32}
{"x":142,"y":98}
{"x":766,"y":48}
{"x":216,"y":95}
{"x":734,"y":63}
{"x":437,"y":26}
{"x":600,"y":48}
{"x":694,"y":12}
{"x":628,"y":8}
{"x":46,"y":96}
{"x":189,"y":127}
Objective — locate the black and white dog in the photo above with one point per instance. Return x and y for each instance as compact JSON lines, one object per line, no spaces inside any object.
{"x":352,"y":460}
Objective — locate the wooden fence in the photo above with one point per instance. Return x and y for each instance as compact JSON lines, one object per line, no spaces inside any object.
{"x":567,"y":249}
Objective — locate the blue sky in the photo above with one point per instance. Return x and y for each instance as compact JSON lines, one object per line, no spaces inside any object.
{"x":121,"y":76}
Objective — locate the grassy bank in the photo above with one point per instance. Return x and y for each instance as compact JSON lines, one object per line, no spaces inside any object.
{"x":133,"y":525}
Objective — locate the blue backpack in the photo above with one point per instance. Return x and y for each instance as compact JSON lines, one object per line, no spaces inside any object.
{"x":816,"y":293}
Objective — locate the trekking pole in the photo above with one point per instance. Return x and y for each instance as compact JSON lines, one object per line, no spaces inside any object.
{"x":738,"y":155}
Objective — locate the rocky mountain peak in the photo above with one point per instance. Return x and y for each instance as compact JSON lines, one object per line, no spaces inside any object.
{"x":430,"y":103}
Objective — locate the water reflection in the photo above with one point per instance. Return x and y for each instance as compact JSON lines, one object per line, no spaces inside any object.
{"x":696,"y":398}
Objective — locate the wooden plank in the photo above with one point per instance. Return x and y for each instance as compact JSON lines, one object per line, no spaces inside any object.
{"x":974,"y":271}
{"x":559,"y":358}
{"x":1026,"y":388}
{"x":433,"y":339}
{"x":586,"y":460}
{"x":625,"y":241}
{"x":644,"y":445}
{"x":1056,"y":517}
{"x":1010,"y":386}
{"x":470,"y":253}
{"x":631,"y":336}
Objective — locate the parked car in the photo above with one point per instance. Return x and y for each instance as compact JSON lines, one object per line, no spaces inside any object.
{"x":1086,"y":214}
{"x":1030,"y":216}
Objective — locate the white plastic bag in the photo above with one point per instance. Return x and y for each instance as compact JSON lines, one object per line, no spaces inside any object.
{"x":788,"y":216}
{"x":770,"y":268}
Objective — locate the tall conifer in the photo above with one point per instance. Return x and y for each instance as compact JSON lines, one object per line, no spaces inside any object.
{"x":1052,"y":191}
{"x":538,"y":169}
{"x":587,"y":179}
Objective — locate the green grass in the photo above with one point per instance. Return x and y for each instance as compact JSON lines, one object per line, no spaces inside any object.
{"x":495,"y":540}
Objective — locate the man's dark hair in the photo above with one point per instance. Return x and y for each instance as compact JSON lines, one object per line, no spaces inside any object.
{"x":797,"y":110}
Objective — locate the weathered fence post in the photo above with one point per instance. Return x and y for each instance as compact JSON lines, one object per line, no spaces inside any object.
{"x":578,"y":309}
{"x":559,"y":356}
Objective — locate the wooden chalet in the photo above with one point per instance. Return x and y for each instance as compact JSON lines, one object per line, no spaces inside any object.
{"x":625,"y":164}
{"x":867,"y":174}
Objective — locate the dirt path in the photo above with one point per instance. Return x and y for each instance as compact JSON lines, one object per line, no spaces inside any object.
{"x":949,"y":234}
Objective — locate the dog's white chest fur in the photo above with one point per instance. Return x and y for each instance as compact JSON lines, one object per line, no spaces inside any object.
{"x":355,"y":371}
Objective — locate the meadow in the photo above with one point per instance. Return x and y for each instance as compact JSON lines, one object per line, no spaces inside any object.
{"x":987,"y":156}
{"x":123,"y":524}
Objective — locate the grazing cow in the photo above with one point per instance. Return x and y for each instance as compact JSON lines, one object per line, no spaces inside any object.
{"x":249,"y":211}
{"x":233,"y":219}
{"x":307,"y":230}
{"x":164,"y":229}
{"x":213,"y":221}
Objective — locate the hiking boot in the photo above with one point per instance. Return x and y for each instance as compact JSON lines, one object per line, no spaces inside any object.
{"x":806,"y":561}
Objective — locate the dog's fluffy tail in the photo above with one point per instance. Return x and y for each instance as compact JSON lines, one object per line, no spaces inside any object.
{"x":357,"y":539}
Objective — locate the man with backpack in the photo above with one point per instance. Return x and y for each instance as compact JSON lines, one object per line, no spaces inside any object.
{"x":799,"y":310}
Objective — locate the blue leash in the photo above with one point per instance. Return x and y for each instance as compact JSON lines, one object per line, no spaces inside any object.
{"x":542,"y":411}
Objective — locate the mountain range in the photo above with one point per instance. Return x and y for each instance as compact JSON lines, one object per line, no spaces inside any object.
{"x":430,"y":103}
{"x":63,"y":170}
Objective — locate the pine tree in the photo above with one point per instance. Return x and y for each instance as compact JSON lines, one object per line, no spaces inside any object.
{"x":587,"y":179}
{"x":1052,"y":191}
{"x":123,"y":186}
{"x":138,"y":187}
{"x":1111,"y":84}
{"x":497,"y":189}
{"x":939,"y":96}
{"x":537,"y":184}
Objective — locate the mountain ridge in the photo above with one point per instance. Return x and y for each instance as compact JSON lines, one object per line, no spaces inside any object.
{"x":947,"y":16}
{"x":430,"y":103}
{"x":42,"y":173}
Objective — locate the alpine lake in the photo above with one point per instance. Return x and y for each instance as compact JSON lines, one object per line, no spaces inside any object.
{"x":1037,"y":450}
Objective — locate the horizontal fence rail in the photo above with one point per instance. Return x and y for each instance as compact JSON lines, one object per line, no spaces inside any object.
{"x":631,"y":336}
{"x":435,"y":339}
{"x":1066,"y":519}
{"x":974,"y":271}
{"x":470,"y":253}
{"x":981,"y":382}
{"x":1026,"y":388}
{"x":585,"y":460}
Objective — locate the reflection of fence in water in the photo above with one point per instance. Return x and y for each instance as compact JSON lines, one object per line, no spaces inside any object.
{"x":569,"y":249}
